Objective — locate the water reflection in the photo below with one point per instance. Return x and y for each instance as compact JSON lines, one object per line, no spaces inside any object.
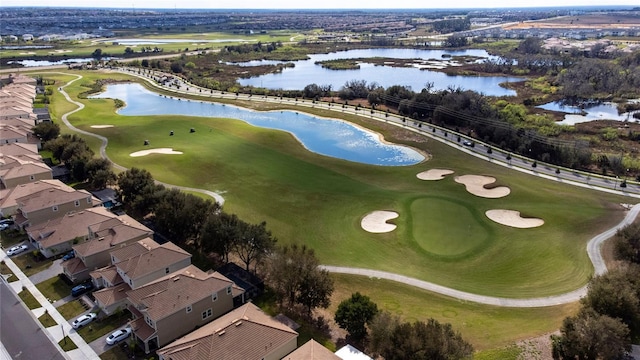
{"x":328,"y":137}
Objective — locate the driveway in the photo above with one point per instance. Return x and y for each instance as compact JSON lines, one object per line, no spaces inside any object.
{"x":48,"y":273}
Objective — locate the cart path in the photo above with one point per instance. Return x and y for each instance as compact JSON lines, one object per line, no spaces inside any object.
{"x":593,"y":250}
{"x":593,"y":246}
{"x":103,"y":146}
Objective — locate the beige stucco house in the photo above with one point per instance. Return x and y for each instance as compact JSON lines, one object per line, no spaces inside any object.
{"x":246,"y":333}
{"x":178,"y":303}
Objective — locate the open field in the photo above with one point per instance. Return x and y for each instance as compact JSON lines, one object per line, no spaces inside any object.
{"x":84,"y":48}
{"x":308,"y":198}
{"x":583,"y":21}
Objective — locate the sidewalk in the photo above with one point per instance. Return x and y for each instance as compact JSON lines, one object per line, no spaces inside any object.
{"x":56,"y":332}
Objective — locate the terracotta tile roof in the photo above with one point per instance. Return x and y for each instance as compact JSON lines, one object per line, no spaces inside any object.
{"x":108,"y":273}
{"x":152,"y":260}
{"x":311,"y":350}
{"x":142,"y":329}
{"x":25,"y":123}
{"x":245,"y":333}
{"x":68,"y":227}
{"x":73,"y":266}
{"x":8,"y":197}
{"x":18,"y":148}
{"x":175,"y":291}
{"x":51,"y":197}
{"x":111,"y":295}
{"x":111,"y":233}
{"x":28,"y":168}
{"x":135,"y":249}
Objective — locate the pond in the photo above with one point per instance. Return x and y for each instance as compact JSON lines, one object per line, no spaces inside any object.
{"x":588,"y":112}
{"x":308,"y":72}
{"x":330,"y":137}
{"x":30,"y":63}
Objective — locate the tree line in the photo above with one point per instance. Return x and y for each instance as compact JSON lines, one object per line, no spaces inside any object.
{"x":609,"y":318}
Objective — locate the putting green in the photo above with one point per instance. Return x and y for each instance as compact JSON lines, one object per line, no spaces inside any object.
{"x":306,"y":198}
{"x":465,"y":236}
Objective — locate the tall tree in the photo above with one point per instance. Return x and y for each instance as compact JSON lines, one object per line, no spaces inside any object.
{"x":591,"y":336}
{"x":293,"y":274}
{"x":354,"y":313}
{"x":427,"y":341}
{"x":219,"y":232}
{"x":46,"y":131}
{"x":253,"y":243}
{"x":381,"y":328}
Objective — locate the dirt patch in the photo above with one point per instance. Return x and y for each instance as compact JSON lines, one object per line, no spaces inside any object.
{"x":376,"y":221}
{"x":167,"y":151}
{"x":477,"y":185}
{"x":538,"y":348}
{"x":434,"y":174}
{"x":512,"y":218}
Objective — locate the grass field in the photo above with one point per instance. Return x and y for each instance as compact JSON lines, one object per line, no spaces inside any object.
{"x":442,"y":236}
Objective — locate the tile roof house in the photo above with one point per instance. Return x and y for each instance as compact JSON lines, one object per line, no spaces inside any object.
{"x":178,"y":303}
{"x":18,"y":149}
{"x":45,"y":203}
{"x":245,"y":333}
{"x":311,"y":350}
{"x":134,"y":266}
{"x":22,"y":169}
{"x":8,"y":202}
{"x":104,"y":237}
{"x":58,"y":235}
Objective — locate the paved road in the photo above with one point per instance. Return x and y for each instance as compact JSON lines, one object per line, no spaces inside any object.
{"x":498,"y":157}
{"x":20,"y":332}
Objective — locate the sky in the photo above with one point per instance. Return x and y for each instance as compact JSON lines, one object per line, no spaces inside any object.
{"x":324,"y":4}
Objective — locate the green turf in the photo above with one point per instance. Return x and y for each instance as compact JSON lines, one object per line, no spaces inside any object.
{"x":54,"y":289}
{"x":67,"y":344}
{"x":29,"y":300}
{"x":46,"y":320}
{"x":71,"y":309}
{"x":485,"y":327}
{"x":316,"y":200}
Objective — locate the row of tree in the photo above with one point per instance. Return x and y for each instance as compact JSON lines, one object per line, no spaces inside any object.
{"x":610,"y":315}
{"x":383,"y":334}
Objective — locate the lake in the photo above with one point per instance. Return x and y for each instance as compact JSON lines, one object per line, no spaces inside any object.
{"x":33,"y":63}
{"x":588,"y":112}
{"x":307,"y":72}
{"x":330,"y":137}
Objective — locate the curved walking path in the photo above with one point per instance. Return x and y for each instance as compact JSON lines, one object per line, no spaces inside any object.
{"x":593,"y":246}
{"x":593,"y":250}
{"x":104,"y":142}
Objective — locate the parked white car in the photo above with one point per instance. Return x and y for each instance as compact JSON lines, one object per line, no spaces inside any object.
{"x":83,"y":320}
{"x":118,"y":335}
{"x":17,"y":249}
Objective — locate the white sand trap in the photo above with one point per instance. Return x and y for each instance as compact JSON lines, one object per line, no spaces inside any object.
{"x":167,"y":151}
{"x":434,"y":174}
{"x":512,"y":218}
{"x":101,"y":126}
{"x":475,"y":184}
{"x":376,"y":222}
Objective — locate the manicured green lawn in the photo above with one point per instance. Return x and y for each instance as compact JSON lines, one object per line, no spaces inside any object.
{"x":4,"y":270}
{"x":29,"y":265}
{"x":71,"y":309}
{"x":54,"y":288}
{"x":29,"y":300}
{"x":319,"y":201}
{"x":67,"y":344}
{"x":485,"y":327}
{"x":46,"y":320}
{"x":101,"y":327}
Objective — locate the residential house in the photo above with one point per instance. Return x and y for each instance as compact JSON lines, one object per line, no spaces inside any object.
{"x":246,"y":333}
{"x":18,"y":148}
{"x":58,"y":235}
{"x":23,"y":169}
{"x":46,"y":204}
{"x":8,"y":197}
{"x":311,"y":350}
{"x":103,"y":238}
{"x":134,"y":266}
{"x":178,"y":303}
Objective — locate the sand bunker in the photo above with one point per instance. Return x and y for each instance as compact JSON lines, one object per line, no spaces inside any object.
{"x":434,"y":174}
{"x":376,"y":222}
{"x":475,"y":184}
{"x":167,"y":151}
{"x":101,"y":126}
{"x":512,"y":218}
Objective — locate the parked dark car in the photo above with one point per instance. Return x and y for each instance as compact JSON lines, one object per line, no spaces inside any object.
{"x":81,"y":289}
{"x":70,"y":255}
